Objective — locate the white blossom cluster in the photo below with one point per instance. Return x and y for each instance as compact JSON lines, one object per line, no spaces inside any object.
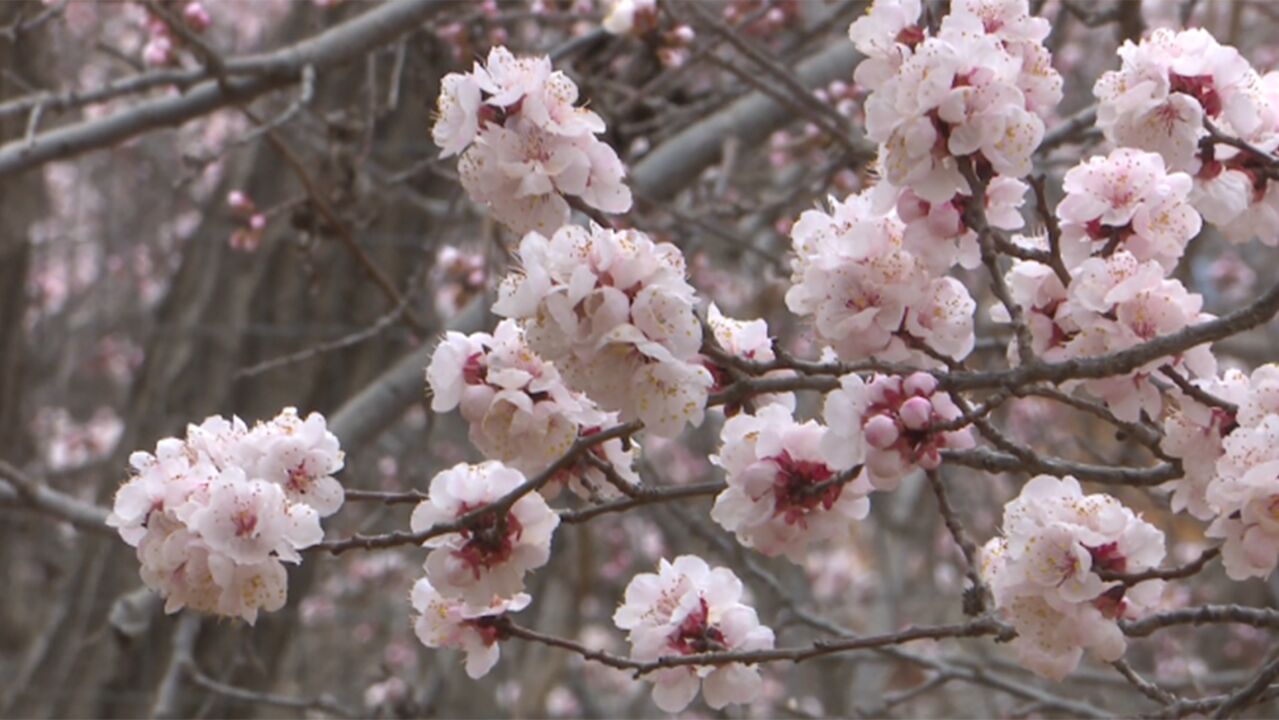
{"x":869,"y":296}
{"x":1113,"y":303}
{"x":689,"y":608}
{"x":892,"y":425}
{"x":525,"y":144}
{"x":1044,"y":573}
{"x":213,"y":515}
{"x":612,"y":311}
{"x":1231,"y":464}
{"x":1168,"y":88}
{"x":476,"y":574}
{"x":519,"y":410}
{"x":976,"y":89}
{"x":783,"y":492}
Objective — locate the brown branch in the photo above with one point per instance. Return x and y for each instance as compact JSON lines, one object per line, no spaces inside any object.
{"x":993,"y":461}
{"x":1251,"y":692}
{"x":1177,"y":573}
{"x":498,"y":507}
{"x":20,"y":489}
{"x":819,"y":648}
{"x":644,"y":496}
{"x":251,"y":77}
{"x":343,"y":232}
{"x":1204,"y":614}
{"x":977,"y":597}
{"x":1147,"y":688}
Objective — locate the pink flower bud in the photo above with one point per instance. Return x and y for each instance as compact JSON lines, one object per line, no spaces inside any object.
{"x":683,"y":35}
{"x":239,"y":202}
{"x":258,"y":221}
{"x":158,"y":51}
{"x":196,"y":17}
{"x":916,"y":413}
{"x":881,"y":432}
{"x":929,"y":459}
{"x":920,"y":383}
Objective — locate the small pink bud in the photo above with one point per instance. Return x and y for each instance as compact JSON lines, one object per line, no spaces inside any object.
{"x":196,"y":17}
{"x":776,"y":16}
{"x":239,"y":202}
{"x":929,"y":459}
{"x":158,"y":51}
{"x":838,"y":88}
{"x":916,"y":413}
{"x":684,"y":35}
{"x":258,"y":221}
{"x":920,"y":383}
{"x":881,"y":432}
{"x":671,"y":57}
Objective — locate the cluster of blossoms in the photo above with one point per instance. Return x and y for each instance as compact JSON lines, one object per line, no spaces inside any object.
{"x":162,"y":44}
{"x":688,"y":608}
{"x":612,"y":311}
{"x":214,"y":515}
{"x":868,"y":295}
{"x":783,"y":492}
{"x":1045,"y":573}
{"x":892,"y":425}
{"x":525,"y":145}
{"x":1126,"y":200}
{"x":1125,"y":222}
{"x":977,"y":89}
{"x":475,"y":575}
{"x":1168,"y":89}
{"x":519,"y":409}
{"x":1112,"y":303}
{"x":747,"y":340}
{"x":1231,"y":463}
{"x":248,"y":236}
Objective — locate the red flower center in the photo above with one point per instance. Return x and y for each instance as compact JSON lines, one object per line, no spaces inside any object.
{"x":696,"y":634}
{"x":800,"y":486}
{"x":489,"y":541}
{"x":1200,"y":87}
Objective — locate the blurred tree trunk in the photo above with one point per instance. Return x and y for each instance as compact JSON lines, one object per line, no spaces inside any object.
{"x":226,"y":310}
{"x":22,"y":203}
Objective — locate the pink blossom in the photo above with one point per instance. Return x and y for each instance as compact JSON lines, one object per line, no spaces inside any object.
{"x":688,"y":608}
{"x":491,"y":557}
{"x":519,"y":409}
{"x":1166,"y":87}
{"x":1043,"y":573}
{"x":887,"y":424}
{"x":452,"y":623}
{"x":614,"y":314}
{"x":1193,"y":432}
{"x":956,"y":94}
{"x":196,"y":17}
{"x":214,"y":514}
{"x":1126,"y":200}
{"x":865,"y":293}
{"x":782,"y":492}
{"x":525,"y":142}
